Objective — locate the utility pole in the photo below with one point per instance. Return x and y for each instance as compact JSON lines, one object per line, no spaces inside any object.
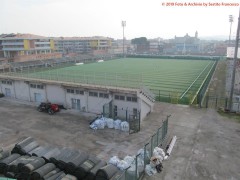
{"x":123,"y":25}
{"x":234,"y":64}
{"x":231,"y":21}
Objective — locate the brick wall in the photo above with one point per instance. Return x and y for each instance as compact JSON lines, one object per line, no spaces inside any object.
{"x":37,"y":57}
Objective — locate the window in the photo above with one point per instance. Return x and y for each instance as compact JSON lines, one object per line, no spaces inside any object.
{"x":116,"y":97}
{"x":103,"y":95}
{"x":7,"y":82}
{"x":33,"y":85}
{"x":76,"y":91}
{"x":79,"y":92}
{"x":119,"y":97}
{"x":95,"y":94}
{"x":70,"y":91}
{"x":38,"y":86}
{"x":132,"y":99}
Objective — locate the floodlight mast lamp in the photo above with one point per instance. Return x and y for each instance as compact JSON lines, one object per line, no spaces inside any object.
{"x":234,"y":65}
{"x":231,"y":21}
{"x":123,"y":25}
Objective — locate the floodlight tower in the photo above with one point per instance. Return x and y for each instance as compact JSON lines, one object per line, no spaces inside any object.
{"x":123,"y":25}
{"x":231,"y":21}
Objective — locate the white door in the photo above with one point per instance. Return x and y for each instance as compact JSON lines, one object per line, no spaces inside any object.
{"x":7,"y":92}
{"x":37,"y":97}
{"x":76,"y":104}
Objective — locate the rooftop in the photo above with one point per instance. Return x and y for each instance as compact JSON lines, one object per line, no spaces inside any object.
{"x":21,"y":36}
{"x":33,"y":36}
{"x":83,"y":38}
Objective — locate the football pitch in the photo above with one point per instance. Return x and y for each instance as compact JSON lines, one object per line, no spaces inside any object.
{"x":164,"y":77}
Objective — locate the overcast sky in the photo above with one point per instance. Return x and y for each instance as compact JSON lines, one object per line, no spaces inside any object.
{"x":147,"y":18}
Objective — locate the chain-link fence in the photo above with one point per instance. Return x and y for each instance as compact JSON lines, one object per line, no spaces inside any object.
{"x":215,"y":102}
{"x":83,"y":77}
{"x":200,"y":95}
{"x":173,"y":97}
{"x":185,"y":57}
{"x":137,"y":168}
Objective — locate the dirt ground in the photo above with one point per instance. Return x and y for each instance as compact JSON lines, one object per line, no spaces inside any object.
{"x":70,"y":129}
{"x":218,"y":83}
{"x":208,"y":145}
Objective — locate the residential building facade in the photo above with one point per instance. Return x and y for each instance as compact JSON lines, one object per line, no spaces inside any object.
{"x":186,"y":44}
{"x":23,"y":47}
{"x":83,"y":45}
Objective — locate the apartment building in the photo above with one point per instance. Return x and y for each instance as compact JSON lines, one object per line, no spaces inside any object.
{"x":83,"y":45}
{"x":23,"y":47}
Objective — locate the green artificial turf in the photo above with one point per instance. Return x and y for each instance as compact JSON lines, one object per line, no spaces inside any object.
{"x":161,"y":76}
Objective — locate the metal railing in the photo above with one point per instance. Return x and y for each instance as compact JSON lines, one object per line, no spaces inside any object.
{"x":68,"y":75}
{"x":137,"y":169}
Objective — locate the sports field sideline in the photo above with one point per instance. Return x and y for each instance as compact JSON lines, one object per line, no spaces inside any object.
{"x":181,"y":77}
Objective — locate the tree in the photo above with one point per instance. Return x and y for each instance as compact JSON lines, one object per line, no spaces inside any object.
{"x":141,"y":40}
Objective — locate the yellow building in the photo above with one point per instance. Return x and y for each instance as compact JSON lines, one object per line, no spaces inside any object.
{"x":16,"y":45}
{"x":83,"y":45}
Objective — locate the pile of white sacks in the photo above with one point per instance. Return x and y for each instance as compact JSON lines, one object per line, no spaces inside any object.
{"x":156,"y":159}
{"x":128,"y":162}
{"x":103,"y":122}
